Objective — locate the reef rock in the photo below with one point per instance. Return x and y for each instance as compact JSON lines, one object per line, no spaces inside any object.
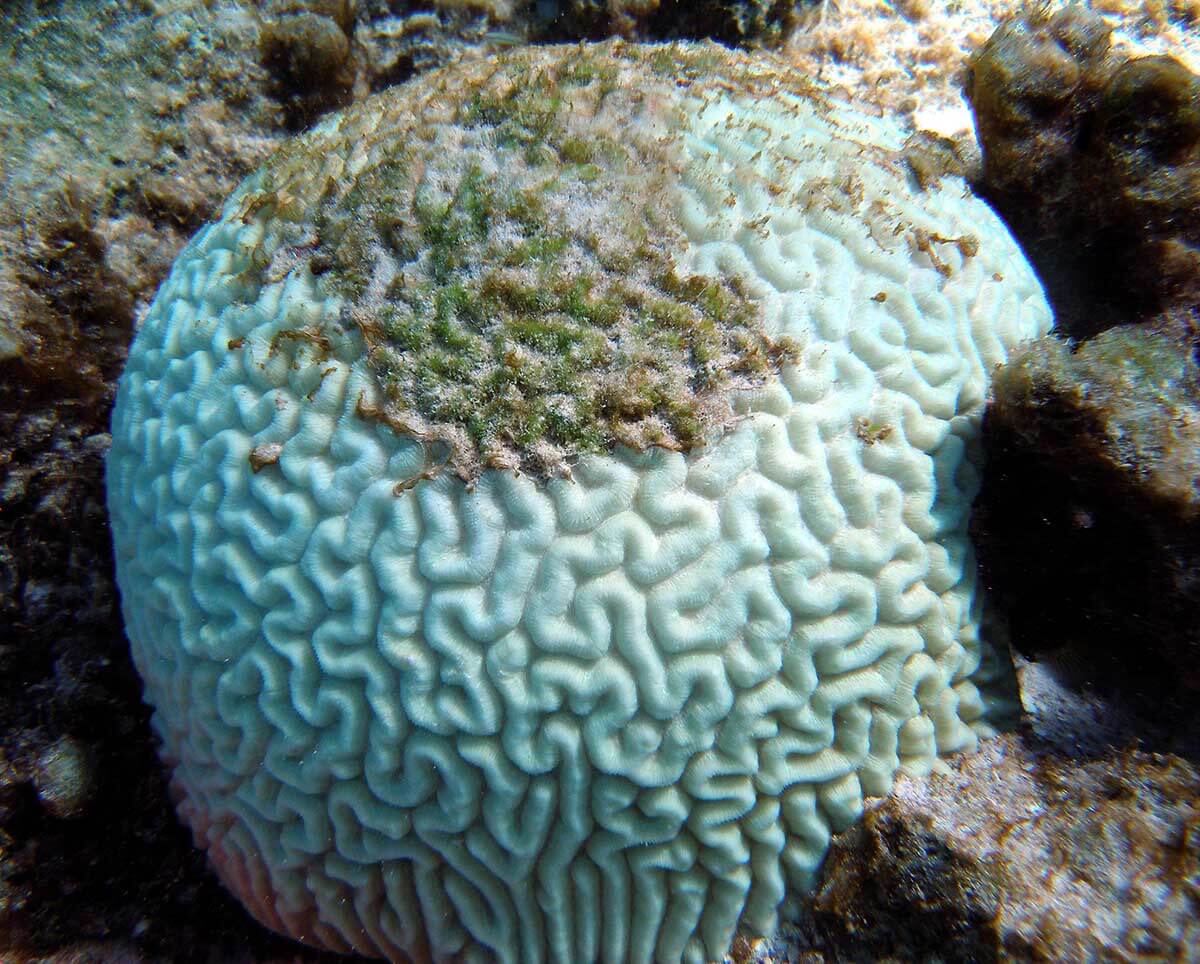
{"x":1094,"y":457}
{"x":1017,"y":854}
{"x":1094,"y":159}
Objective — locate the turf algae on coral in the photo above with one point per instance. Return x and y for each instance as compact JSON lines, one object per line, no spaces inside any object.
{"x":506,"y":253}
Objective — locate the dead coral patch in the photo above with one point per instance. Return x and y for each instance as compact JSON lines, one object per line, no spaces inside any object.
{"x":509,"y":252}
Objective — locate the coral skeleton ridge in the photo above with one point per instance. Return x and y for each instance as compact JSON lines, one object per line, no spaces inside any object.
{"x":540,"y":504}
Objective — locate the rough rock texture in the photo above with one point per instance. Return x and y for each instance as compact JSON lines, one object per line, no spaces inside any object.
{"x":1094,"y":159}
{"x":519,"y":716}
{"x":1094,"y":456}
{"x":1019,"y":854}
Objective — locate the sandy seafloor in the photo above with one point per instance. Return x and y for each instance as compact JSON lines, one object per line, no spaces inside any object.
{"x":906,"y":56}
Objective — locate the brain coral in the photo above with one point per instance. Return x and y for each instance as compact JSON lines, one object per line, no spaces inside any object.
{"x":540,"y":504}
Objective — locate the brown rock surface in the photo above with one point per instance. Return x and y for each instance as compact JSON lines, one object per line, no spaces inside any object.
{"x":1088,"y":523}
{"x":1094,"y":161}
{"x":1019,"y":855}
{"x":1094,"y":449}
{"x":1087,"y":526}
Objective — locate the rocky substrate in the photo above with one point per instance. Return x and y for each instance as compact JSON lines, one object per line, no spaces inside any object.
{"x":1089,"y":519}
{"x":1022,"y":854}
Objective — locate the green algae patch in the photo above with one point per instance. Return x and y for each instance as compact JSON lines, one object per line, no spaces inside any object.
{"x":511,"y":250}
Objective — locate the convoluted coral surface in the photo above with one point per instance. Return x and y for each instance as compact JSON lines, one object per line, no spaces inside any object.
{"x":499,"y":714}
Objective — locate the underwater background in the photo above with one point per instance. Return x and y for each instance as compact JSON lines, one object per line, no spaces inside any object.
{"x":124,"y":126}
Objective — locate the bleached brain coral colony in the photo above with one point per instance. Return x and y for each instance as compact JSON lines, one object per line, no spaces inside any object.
{"x":541,"y":504}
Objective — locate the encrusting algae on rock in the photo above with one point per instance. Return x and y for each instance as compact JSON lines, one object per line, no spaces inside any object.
{"x":540,"y":504}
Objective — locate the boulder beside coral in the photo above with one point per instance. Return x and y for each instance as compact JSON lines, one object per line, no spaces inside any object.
{"x":1094,"y":450}
{"x":1094,"y":458}
{"x":1070,"y":841}
{"x":1094,"y":160}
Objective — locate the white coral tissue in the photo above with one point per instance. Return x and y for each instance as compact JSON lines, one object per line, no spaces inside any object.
{"x":610,"y":717}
